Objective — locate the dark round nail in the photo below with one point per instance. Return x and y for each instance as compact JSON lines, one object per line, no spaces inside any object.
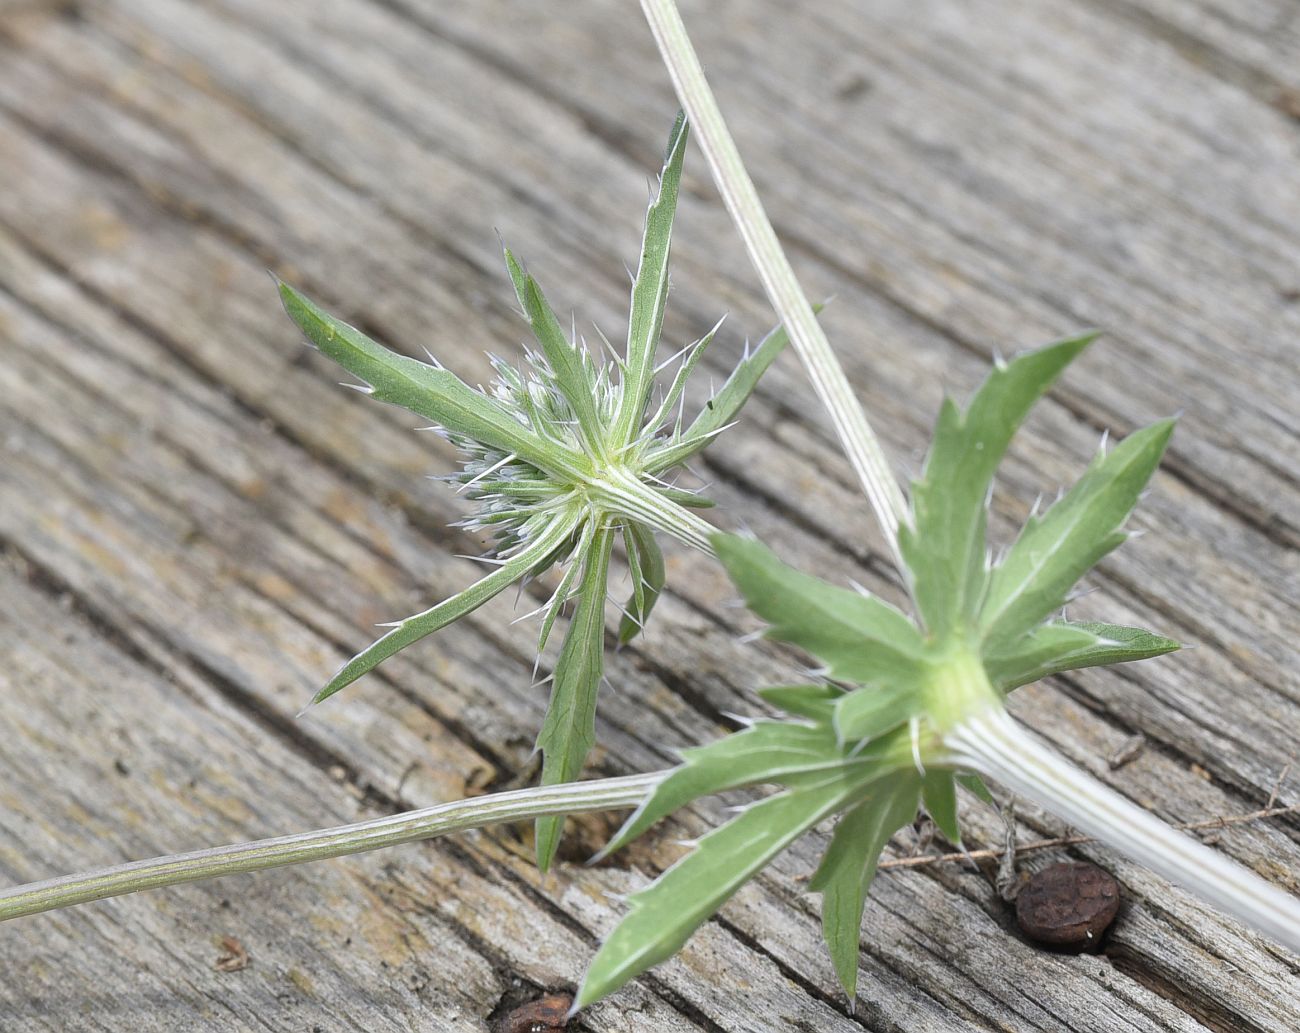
{"x":1068,"y":906}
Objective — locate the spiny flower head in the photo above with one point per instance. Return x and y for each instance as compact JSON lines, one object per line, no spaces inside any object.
{"x":515,"y":499}
{"x":563,"y":456}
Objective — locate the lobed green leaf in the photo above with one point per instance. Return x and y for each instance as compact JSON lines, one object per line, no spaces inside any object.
{"x":815,"y":702}
{"x":1068,"y":646}
{"x":662,"y":917}
{"x":868,"y":713}
{"x":939,"y":791}
{"x":944,"y":547}
{"x":975,"y":785}
{"x":860,"y":638}
{"x":572,"y":368}
{"x":768,"y":752}
{"x":1054,"y":551}
{"x":849,"y":865}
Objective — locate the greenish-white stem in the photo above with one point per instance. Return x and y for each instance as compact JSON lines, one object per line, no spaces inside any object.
{"x":992,"y":744}
{"x":627,"y":495}
{"x":787,"y":297}
{"x":439,"y":820}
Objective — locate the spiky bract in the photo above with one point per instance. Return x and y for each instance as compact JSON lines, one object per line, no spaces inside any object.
{"x":563,"y":455}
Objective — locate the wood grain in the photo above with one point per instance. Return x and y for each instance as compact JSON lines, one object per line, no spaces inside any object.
{"x":198,"y":525}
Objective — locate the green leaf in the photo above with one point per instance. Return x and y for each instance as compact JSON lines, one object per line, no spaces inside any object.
{"x":564,"y":590}
{"x":723,"y":408}
{"x":1069,"y":646}
{"x":939,"y":791}
{"x":974,"y":784}
{"x":414,"y":628}
{"x":428,"y":391}
{"x":689,"y":499}
{"x":662,"y":917}
{"x":1054,"y":551}
{"x":573,"y":369}
{"x":647,"y":566}
{"x":868,"y":713}
{"x":650,"y":291}
{"x":849,"y":864}
{"x":1037,"y":650}
{"x":768,"y":752}
{"x":860,"y":638}
{"x":569,"y":729}
{"x":678,"y":385}
{"x":944,"y":547}
{"x":815,"y":702}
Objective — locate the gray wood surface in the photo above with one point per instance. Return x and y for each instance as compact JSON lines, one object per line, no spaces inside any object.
{"x":198,"y":525}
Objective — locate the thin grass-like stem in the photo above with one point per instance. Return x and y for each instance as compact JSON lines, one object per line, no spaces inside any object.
{"x":392,"y":830}
{"x":992,"y":744}
{"x":792,"y":306}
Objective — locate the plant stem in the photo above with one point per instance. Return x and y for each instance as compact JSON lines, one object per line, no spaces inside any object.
{"x":457,"y":816}
{"x":629,"y":496}
{"x":994,"y":745}
{"x":832,"y":386}
{"x":993,"y":853}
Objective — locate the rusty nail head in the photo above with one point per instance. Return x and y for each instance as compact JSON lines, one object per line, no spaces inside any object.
{"x":1068,"y":906}
{"x":549,"y":1014}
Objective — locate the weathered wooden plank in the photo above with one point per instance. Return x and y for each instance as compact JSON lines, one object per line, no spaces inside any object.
{"x":1236,"y":583}
{"x":1140,"y":210}
{"x":1262,"y":711}
{"x":1252,"y":45}
{"x":35,"y":458}
{"x":28,"y":378}
{"x":270,"y":175}
{"x":106,"y":757}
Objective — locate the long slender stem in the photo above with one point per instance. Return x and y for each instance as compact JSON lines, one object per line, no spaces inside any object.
{"x":994,"y":745}
{"x":439,"y":820}
{"x":993,"y":853}
{"x":832,"y":386}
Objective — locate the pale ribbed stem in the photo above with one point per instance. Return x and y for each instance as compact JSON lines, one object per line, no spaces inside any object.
{"x":994,"y":745}
{"x":630,"y":497}
{"x":783,"y":290}
{"x":520,"y":804}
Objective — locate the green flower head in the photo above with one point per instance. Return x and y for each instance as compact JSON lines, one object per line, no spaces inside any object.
{"x":564,"y":455}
